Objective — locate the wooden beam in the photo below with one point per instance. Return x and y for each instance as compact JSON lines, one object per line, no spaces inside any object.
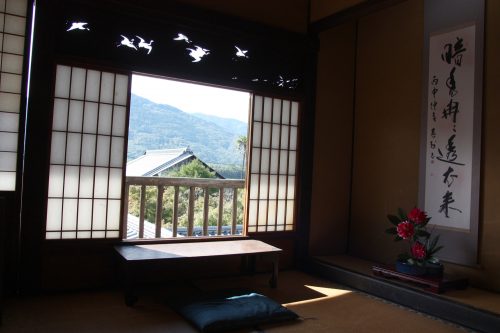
{"x":351,"y":14}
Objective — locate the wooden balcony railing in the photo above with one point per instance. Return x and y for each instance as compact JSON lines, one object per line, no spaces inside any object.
{"x":225,"y":190}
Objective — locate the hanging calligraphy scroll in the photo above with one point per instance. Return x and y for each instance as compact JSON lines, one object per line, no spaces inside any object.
{"x":451,"y":138}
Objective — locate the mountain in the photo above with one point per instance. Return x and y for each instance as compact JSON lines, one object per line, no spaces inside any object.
{"x":233,"y":125}
{"x":161,"y":126}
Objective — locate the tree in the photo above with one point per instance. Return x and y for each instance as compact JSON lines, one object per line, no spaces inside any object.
{"x":193,"y":169}
{"x":241,"y":143}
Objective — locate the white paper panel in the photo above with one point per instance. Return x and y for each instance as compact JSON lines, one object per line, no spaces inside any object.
{"x":90,"y":119}
{"x":266,"y":135}
{"x":255,"y":160}
{"x":284,"y":137}
{"x":112,"y":234}
{"x":113,"y":214}
{"x":12,"y":63}
{"x":10,"y":83}
{"x":78,"y":78}
{"x":8,"y":161}
{"x":281,"y":212}
{"x":68,"y":235}
{"x":262,"y":212}
{"x":283,"y":162}
{"x":293,"y":138}
{"x":93,"y":84}
{"x":252,"y":213}
{"x":115,"y":184}
{"x":69,"y":214}
{"x":273,"y":187}
{"x":17,"y":7}
{"x":292,"y":162}
{"x":56,"y":181}
{"x":295,"y":114}
{"x":275,"y":140}
{"x":2,"y":19}
{"x":105,"y":114}
{"x":9,"y":122}
{"x":257,"y":129}
{"x":52,"y":235}
{"x":254,"y":186}
{"x":121,"y":89}
{"x":101,"y":183}
{"x":8,"y":141}
{"x":107,"y":87}
{"x":282,"y":187}
{"x":102,"y":154}
{"x":10,"y":102}
{"x":291,"y":187}
{"x":7,"y":181}
{"x":119,"y":120}
{"x":274,"y":161}
{"x":71,"y":180}
{"x":268,"y":109}
{"x":60,"y":116}
{"x":83,"y":234}
{"x":99,"y":216}
{"x":75,"y":120}
{"x":117,"y":146}
{"x":13,"y":44}
{"x":88,"y":149}
{"x":63,"y":78}
{"x":73,"y":149}
{"x":264,"y":165}
{"x":58,"y":148}
{"x":84,"y":214}
{"x":277,"y":111}
{"x":86,"y":182}
{"x":257,"y":112}
{"x":285,"y":116}
{"x":98,"y":234}
{"x":289,"y":212}
{"x":15,"y":25}
{"x":264,"y":179}
{"x":271,"y":213}
{"x":54,"y":214}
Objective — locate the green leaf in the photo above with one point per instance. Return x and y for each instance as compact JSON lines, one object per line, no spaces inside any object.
{"x":423,"y":233}
{"x":391,"y":231}
{"x":394,"y":219}
{"x":433,"y":243}
{"x":397,"y":239}
{"x":435,"y":250}
{"x":402,"y":214}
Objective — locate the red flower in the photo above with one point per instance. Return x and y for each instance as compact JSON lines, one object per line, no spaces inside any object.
{"x":418,"y":250}
{"x":417,"y":216}
{"x":405,"y":230}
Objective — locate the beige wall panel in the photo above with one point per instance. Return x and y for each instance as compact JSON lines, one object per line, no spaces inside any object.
{"x":333,"y":145}
{"x":290,"y":15}
{"x":387,"y":126}
{"x":324,"y":8}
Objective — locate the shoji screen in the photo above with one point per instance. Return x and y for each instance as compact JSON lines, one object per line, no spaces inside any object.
{"x":12,"y":34}
{"x":87,"y":154}
{"x":273,"y":160}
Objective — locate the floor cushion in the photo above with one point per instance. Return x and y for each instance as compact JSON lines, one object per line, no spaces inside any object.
{"x":223,"y":311}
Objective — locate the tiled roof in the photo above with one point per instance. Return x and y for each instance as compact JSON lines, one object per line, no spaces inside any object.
{"x":154,"y":162}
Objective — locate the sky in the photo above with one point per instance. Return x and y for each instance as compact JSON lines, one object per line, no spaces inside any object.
{"x":193,"y":98}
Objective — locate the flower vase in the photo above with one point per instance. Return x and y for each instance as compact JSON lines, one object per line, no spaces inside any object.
{"x":410,"y":269}
{"x":434,"y":269}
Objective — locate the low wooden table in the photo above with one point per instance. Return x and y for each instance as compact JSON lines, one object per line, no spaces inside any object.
{"x":131,"y":255}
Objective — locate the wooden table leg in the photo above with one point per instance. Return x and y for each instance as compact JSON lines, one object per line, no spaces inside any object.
{"x":274,"y":277}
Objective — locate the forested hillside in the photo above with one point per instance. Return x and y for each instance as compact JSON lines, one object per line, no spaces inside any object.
{"x":158,"y":126}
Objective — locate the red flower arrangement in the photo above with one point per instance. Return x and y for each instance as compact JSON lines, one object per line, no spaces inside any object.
{"x":412,"y":227}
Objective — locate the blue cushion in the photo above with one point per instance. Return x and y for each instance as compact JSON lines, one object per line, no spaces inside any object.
{"x":224,"y":311}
